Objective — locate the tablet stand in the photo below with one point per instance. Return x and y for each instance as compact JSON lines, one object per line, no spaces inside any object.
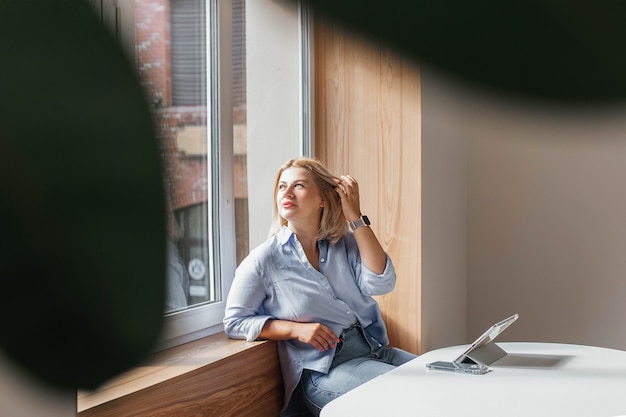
{"x":484,"y":355}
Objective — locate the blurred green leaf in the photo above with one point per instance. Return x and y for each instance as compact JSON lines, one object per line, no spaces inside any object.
{"x":82,"y":204}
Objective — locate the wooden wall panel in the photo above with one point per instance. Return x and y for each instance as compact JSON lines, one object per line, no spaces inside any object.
{"x":368,"y":124}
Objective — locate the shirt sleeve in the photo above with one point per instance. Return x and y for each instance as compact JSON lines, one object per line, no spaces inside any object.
{"x":376,"y":284}
{"x":244,"y":317}
{"x":370,"y":283}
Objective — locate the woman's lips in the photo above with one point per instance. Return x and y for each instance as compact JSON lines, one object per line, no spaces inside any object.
{"x":288,"y":204}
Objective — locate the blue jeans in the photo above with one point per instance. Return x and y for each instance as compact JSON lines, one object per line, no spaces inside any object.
{"x":358,"y":358}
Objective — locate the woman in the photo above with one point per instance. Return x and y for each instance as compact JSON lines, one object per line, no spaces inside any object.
{"x":310,"y":286}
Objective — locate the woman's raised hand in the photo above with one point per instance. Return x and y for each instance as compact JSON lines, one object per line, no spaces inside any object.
{"x":348,"y":190}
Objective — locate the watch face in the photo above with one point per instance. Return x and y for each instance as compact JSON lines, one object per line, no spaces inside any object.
{"x":366,"y":220}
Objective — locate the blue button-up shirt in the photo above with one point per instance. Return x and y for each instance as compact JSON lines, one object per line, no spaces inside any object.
{"x":276,"y":281}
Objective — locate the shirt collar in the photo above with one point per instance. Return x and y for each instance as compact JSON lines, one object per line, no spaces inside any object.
{"x":284,"y":235}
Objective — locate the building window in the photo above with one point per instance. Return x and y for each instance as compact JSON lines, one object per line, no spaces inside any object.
{"x":188,"y":52}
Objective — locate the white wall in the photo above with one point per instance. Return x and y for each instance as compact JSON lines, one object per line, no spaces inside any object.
{"x":547,"y":222}
{"x":444,"y":172}
{"x":545,"y":216}
{"x":273,"y":102}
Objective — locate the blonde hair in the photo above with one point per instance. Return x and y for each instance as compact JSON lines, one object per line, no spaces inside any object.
{"x":333,"y":225}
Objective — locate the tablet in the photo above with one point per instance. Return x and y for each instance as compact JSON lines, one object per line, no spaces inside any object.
{"x":489,"y":353}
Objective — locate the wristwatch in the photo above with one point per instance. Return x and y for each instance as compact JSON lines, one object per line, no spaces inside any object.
{"x":361,"y":221}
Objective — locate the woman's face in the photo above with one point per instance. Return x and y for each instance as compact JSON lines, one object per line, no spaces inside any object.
{"x":298,"y":197}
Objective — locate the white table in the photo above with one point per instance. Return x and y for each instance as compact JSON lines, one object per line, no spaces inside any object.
{"x":534,"y":379}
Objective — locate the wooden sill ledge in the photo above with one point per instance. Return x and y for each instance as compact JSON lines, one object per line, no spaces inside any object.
{"x":215,"y":374}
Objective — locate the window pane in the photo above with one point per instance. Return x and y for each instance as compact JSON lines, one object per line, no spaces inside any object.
{"x":171,"y":59}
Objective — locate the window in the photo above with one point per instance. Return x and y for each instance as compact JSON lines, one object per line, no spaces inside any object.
{"x":192,"y":60}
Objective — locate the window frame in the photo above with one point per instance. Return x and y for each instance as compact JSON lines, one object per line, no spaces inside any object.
{"x":290,"y":20}
{"x":281,"y":21}
{"x":206,"y":319}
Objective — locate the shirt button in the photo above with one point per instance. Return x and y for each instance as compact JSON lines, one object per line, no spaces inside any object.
{"x":348,"y":312}
{"x":322,"y":260}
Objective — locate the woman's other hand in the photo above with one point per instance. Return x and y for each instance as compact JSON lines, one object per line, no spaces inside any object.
{"x":314,"y":334}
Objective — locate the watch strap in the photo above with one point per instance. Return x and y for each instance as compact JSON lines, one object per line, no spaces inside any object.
{"x":361,"y":221}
